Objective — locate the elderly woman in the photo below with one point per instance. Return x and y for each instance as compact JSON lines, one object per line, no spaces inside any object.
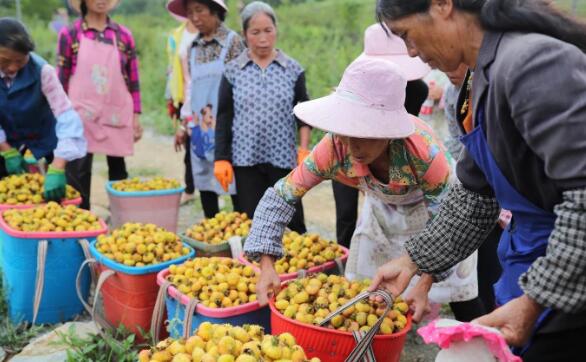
{"x":35,"y":113}
{"x":255,"y":133}
{"x":526,"y":154}
{"x":98,"y":68}
{"x":214,"y":46}
{"x":376,"y":146}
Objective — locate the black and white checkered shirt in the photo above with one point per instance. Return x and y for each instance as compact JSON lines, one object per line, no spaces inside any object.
{"x":557,"y":280}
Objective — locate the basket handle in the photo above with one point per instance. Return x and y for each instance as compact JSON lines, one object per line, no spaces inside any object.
{"x":40,"y":277}
{"x":100,"y":322}
{"x":158,"y":311}
{"x":340,"y":265}
{"x":362,"y":347}
{"x":189,"y":312}
{"x":85,"y":248}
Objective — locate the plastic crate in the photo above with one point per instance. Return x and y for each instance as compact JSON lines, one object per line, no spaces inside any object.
{"x":159,"y":207}
{"x":129,"y":296}
{"x":59,"y":301}
{"x":334,"y":346}
{"x":176,"y":304}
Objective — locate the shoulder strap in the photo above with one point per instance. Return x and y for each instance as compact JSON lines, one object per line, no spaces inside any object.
{"x":227,"y":45}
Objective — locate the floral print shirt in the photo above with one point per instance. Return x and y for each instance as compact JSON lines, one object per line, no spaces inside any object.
{"x":417,"y":162}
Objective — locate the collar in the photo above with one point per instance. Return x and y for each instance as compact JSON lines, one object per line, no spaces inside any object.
{"x":109,"y":25}
{"x":244,"y":59}
{"x":488,"y":49}
{"x":219,"y":37}
{"x":398,"y":177}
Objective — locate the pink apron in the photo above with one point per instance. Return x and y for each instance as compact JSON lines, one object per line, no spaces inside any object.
{"x":100,"y":95}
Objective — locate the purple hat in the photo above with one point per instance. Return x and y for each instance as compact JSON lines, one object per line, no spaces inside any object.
{"x":177,"y":7}
{"x":368,"y":103}
{"x":386,"y":45}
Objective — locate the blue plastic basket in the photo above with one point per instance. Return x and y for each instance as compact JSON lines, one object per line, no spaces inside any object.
{"x":176,"y":316}
{"x":140,"y":270}
{"x":176,"y":304}
{"x":59,"y":300}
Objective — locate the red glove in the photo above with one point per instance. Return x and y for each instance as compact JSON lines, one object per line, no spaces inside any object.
{"x":171,"y":109}
{"x":224,"y":173}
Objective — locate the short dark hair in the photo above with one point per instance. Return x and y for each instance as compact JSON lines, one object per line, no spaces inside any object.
{"x":15,"y":36}
{"x":215,"y":9}
{"x":531,"y":16}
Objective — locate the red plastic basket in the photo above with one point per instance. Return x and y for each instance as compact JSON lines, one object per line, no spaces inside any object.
{"x":316,"y":269}
{"x":334,"y":346}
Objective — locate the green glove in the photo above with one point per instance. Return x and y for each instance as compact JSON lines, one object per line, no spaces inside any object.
{"x":54,"y":185}
{"x":13,"y":161}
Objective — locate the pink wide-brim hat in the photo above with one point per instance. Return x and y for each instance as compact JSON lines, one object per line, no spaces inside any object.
{"x":386,"y":45}
{"x":177,"y":7}
{"x":368,"y":103}
{"x":180,"y":19}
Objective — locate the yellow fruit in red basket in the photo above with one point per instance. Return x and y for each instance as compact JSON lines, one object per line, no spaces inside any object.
{"x":226,"y":358}
{"x":208,"y":358}
{"x":226,"y":345}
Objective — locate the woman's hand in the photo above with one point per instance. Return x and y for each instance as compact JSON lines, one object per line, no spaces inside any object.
{"x":180,"y":136}
{"x":269,"y":283}
{"x":394,"y":276}
{"x":137,"y":127}
{"x":516,"y":320}
{"x":417,"y":298}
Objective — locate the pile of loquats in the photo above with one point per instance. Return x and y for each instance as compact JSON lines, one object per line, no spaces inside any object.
{"x":225,"y":343}
{"x":27,"y":189}
{"x":310,"y":300}
{"x":138,"y":245}
{"x":220,"y":228}
{"x":52,"y":217}
{"x":216,"y":282}
{"x":137,"y":184}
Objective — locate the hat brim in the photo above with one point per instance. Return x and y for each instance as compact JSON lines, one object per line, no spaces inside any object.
{"x":413,"y":68}
{"x":177,"y":7}
{"x":350,"y":118}
{"x":76,"y":5}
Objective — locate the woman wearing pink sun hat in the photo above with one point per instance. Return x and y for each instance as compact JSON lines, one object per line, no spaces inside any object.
{"x":373,"y":145}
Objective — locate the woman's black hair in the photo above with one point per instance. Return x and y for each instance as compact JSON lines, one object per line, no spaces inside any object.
{"x":83,"y":8}
{"x":15,"y":36}
{"x":530,"y":16}
{"x":215,"y":9}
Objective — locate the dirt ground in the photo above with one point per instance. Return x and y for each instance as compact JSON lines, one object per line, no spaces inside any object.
{"x":154,"y":155}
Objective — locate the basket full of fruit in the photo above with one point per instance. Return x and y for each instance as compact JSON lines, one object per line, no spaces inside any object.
{"x":303,"y":305}
{"x":26,"y":190}
{"x":226,"y":343}
{"x":35,"y":244}
{"x":307,"y":253}
{"x":155,"y":200}
{"x":128,"y":260}
{"x":211,"y":236}
{"x":217,"y":290}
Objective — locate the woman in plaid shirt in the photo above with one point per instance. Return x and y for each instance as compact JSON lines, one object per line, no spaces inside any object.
{"x":98,"y":68}
{"x":525,"y":153}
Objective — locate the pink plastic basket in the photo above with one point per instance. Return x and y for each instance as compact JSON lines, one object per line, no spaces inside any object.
{"x":155,"y":207}
{"x":316,"y":269}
